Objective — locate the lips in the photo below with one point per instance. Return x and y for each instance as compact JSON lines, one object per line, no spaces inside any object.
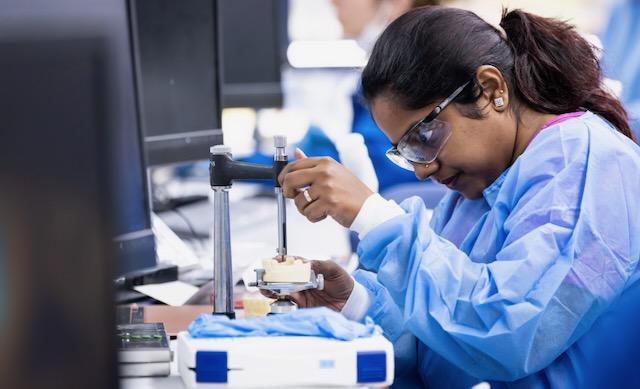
{"x":450,"y":181}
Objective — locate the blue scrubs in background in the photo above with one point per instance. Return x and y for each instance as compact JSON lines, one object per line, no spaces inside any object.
{"x":525,"y":286}
{"x":316,"y":143}
{"x":621,"y":56}
{"x":377,"y":143}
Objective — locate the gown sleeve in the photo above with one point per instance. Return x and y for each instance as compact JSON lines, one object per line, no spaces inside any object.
{"x":568,"y":242}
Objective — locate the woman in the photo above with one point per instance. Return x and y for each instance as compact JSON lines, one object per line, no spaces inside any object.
{"x":535,"y":249}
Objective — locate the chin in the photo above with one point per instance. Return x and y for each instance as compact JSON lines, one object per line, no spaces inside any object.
{"x":471,"y":192}
{"x":471,"y":195}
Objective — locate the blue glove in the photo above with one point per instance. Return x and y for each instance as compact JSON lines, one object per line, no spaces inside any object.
{"x":321,"y":322}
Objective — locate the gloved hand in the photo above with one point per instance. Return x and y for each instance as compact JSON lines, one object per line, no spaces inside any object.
{"x":338,"y":285}
{"x":333,"y":190}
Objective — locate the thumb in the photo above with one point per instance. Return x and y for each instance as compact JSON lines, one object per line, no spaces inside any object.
{"x":300,"y":154}
{"x":327,"y":268}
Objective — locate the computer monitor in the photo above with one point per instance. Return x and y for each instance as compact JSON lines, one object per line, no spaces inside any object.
{"x":195,"y":57}
{"x":57,"y":108}
{"x":178,"y":78}
{"x":109,"y":19}
{"x":254,"y":40}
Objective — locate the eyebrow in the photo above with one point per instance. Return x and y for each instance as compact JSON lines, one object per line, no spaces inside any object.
{"x":404,"y":133}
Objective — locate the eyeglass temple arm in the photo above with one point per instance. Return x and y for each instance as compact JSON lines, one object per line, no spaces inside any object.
{"x":446,"y":101}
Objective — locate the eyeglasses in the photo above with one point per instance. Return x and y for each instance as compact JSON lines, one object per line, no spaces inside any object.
{"x":422,"y":143}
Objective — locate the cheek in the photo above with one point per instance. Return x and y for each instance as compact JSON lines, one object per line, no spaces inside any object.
{"x":481,"y":162}
{"x":480,"y":150}
{"x":464,"y":155}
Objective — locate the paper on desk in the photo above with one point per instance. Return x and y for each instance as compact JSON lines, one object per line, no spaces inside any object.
{"x":174,"y":293}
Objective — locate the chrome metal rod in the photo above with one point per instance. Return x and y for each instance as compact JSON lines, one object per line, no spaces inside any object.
{"x":282,"y":223}
{"x":222,"y":269}
{"x":280,"y":156}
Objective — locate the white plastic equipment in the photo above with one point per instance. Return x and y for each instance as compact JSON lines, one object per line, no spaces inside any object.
{"x":284,"y":361}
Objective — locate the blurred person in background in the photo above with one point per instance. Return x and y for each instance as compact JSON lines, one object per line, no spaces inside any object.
{"x":621,"y":58}
{"x":363,"y":21}
{"x":527,"y":274}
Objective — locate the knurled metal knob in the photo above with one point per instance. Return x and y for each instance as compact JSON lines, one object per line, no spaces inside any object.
{"x":280,"y":141}
{"x":219,"y":150}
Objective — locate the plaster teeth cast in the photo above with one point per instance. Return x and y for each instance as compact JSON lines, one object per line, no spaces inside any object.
{"x":289,"y":270}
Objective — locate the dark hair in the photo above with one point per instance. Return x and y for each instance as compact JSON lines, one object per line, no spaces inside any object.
{"x":422,"y":3}
{"x":428,"y":52}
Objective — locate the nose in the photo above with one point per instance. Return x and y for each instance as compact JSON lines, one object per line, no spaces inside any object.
{"x":424,"y":171}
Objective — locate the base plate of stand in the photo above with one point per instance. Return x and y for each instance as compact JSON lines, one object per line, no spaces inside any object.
{"x":283,"y":305}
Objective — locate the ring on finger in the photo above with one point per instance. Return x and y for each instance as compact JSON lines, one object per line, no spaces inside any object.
{"x":307,"y":196}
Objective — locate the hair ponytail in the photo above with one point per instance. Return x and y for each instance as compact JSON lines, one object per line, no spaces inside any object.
{"x":428,"y":52}
{"x":555,"y":70}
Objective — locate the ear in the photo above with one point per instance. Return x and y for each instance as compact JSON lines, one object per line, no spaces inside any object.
{"x":494,"y":88}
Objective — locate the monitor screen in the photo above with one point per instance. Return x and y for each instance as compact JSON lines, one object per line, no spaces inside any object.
{"x":176,"y":45}
{"x":194,"y":57}
{"x":254,"y":41}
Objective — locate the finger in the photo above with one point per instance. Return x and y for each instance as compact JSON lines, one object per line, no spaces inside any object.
{"x":315,"y":211}
{"x":268,"y":294}
{"x":295,"y":181}
{"x":299,"y":154}
{"x":301,"y":202}
{"x":319,"y":266}
{"x":299,"y":298}
{"x":315,"y":267}
{"x":303,"y":164}
{"x":327,"y":268}
{"x":306,"y":163}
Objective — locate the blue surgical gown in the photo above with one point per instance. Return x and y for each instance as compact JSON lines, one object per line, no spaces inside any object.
{"x":522,"y":287}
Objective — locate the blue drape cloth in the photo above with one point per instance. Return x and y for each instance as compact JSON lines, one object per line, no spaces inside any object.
{"x":321,"y":322}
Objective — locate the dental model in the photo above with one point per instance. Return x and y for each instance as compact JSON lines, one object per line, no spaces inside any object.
{"x":256,"y":305}
{"x":289,"y":270}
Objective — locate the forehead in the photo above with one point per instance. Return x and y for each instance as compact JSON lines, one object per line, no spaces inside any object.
{"x":393,"y":119}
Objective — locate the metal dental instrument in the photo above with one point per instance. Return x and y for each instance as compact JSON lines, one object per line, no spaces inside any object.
{"x":280,"y":157}
{"x":223,"y":170}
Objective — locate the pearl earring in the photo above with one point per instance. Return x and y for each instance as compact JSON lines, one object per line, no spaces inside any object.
{"x":499,"y":102}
